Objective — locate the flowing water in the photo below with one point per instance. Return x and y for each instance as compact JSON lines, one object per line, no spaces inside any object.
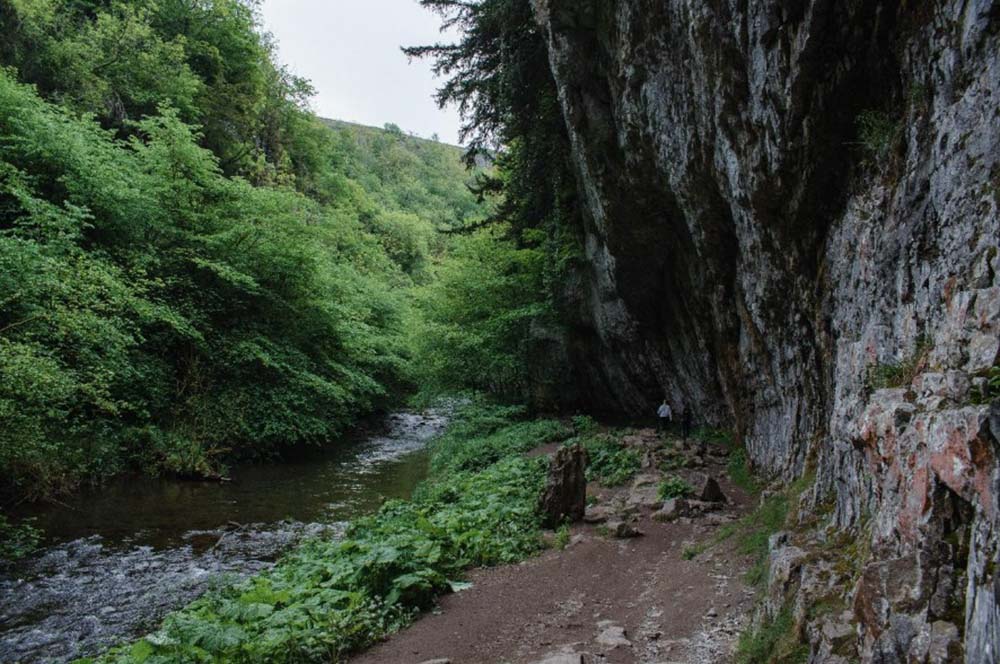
{"x":121,"y":558}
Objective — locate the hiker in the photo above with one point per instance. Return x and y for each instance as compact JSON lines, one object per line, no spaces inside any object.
{"x":665,"y":416}
{"x":687,"y":417}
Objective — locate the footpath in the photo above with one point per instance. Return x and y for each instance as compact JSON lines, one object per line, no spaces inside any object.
{"x":642,"y":579}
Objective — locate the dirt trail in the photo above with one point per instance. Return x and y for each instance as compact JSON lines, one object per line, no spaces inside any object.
{"x":598,"y":600}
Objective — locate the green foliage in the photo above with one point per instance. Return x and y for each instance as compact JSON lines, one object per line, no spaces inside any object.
{"x":562,"y":537}
{"x":477,"y":314}
{"x":773,"y":642}
{"x":329,"y":598}
{"x":878,"y":134}
{"x":157,"y":312}
{"x":483,"y":434}
{"x":498,"y":76}
{"x":121,"y":61}
{"x":609,"y":461}
{"x":17,"y":539}
{"x":584,"y":424}
{"x":672,"y":486}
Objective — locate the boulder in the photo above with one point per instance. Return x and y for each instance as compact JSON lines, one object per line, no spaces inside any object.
{"x":622,"y":529}
{"x":672,"y":509}
{"x":611,"y":635}
{"x":565,"y":495}
{"x":710,"y":491}
{"x":598,"y":514}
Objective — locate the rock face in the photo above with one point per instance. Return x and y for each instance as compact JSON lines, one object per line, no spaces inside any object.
{"x":832,"y":291}
{"x":565,"y":495}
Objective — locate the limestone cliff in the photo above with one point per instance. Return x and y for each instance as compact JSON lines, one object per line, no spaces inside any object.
{"x":792,"y":213}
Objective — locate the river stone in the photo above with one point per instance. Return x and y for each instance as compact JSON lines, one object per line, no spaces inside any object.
{"x":565,"y":495}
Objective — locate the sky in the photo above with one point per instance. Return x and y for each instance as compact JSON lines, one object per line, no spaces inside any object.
{"x":349,"y":50}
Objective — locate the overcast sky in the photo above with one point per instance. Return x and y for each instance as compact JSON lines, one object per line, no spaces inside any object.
{"x":349,"y":49}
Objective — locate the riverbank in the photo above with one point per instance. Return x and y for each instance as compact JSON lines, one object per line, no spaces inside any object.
{"x":334,"y":596}
{"x":119,"y":559}
{"x":664,"y":566}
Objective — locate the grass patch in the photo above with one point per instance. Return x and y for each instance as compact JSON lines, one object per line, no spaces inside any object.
{"x":673,"y":487}
{"x":691,"y":552}
{"x":329,"y":598}
{"x":774,"y":642}
{"x":739,"y":471}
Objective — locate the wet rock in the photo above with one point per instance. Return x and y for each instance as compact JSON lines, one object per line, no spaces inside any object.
{"x":710,"y":491}
{"x":565,"y":494}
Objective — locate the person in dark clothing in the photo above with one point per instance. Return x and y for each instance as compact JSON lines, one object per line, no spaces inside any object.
{"x":687,"y":419}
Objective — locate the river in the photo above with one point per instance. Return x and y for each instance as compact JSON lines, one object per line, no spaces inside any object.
{"x":119,"y":559}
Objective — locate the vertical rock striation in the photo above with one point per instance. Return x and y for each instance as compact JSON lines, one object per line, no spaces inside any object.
{"x":833,"y":294}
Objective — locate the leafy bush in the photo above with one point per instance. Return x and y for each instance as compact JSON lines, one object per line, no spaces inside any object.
{"x":17,"y":539}
{"x":584,"y":424}
{"x":610,"y":462}
{"x":673,"y":487}
{"x":329,"y":598}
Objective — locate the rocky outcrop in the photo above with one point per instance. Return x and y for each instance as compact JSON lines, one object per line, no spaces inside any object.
{"x":792,"y":226}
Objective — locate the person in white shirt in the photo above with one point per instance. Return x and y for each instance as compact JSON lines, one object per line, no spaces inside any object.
{"x":665,"y":416}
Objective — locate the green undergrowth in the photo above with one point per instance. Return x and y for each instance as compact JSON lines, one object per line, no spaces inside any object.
{"x":673,"y":487}
{"x":609,"y":461}
{"x":329,"y":598}
{"x":773,"y":642}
